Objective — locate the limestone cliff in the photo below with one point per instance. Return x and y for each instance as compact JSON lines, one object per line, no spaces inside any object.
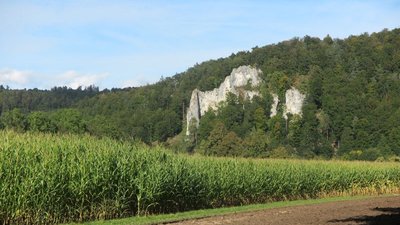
{"x":294,"y":102}
{"x":274,"y":106}
{"x":201,"y":101}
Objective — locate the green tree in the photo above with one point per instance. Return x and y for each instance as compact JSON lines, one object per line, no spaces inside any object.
{"x":103,"y":126}
{"x":14,"y":119}
{"x":206,"y":124}
{"x":282,"y":152}
{"x":394,"y":140}
{"x":324,"y":123}
{"x":40,"y":121}
{"x":69,"y":121}
{"x":260,"y":119}
{"x":278,"y":82}
{"x":346,"y":141}
{"x":209,"y":146}
{"x":295,"y":130}
{"x":309,"y":137}
{"x":230,"y":145}
{"x":166,"y":127}
{"x":277,"y":130}
{"x":256,"y":144}
{"x":231,"y":113}
{"x":316,"y":86}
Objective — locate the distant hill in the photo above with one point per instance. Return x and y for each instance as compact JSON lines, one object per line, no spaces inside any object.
{"x":351,"y":110}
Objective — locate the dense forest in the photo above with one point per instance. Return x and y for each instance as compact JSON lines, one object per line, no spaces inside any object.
{"x":352,"y":108}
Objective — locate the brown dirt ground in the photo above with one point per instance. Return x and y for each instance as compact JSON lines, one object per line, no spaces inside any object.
{"x":373,"y":211}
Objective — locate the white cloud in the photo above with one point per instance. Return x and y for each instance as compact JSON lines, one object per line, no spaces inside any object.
{"x":74,"y":79}
{"x":130,"y":83}
{"x":14,"y":77}
{"x":26,"y":79}
{"x":140,"y":80}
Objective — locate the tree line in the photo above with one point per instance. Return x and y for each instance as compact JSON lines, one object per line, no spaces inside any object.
{"x":351,"y":110}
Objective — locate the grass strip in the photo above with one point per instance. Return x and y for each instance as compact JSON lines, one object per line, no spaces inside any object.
{"x":197,"y":214}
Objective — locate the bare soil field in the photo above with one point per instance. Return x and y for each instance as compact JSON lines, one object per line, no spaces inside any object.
{"x":372,"y":211}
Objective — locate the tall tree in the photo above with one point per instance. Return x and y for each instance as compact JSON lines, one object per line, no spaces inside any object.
{"x":15,"y":120}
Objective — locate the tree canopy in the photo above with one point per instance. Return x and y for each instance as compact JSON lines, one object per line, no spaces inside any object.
{"x":353,"y":99}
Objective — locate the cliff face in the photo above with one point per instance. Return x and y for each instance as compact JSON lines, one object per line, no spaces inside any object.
{"x":201,"y":101}
{"x":294,"y":102}
{"x":274,"y":106}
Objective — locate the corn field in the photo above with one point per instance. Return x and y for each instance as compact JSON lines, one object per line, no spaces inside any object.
{"x":46,"y":179}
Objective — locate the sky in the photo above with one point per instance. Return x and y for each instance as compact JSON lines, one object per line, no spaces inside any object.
{"x":123,"y":43}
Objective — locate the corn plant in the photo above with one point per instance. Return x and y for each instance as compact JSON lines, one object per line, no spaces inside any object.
{"x":47,"y":179}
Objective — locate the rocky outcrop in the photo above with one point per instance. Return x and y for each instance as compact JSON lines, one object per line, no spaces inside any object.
{"x":274,"y":106}
{"x":294,"y":102}
{"x":201,"y":101}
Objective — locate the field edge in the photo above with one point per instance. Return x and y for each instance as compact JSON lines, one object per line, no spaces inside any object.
{"x":198,"y":214}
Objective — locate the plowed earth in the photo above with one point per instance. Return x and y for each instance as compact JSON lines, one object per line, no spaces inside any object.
{"x":372,"y":211}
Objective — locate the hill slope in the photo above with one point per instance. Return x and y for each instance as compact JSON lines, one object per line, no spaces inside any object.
{"x":352,"y":105}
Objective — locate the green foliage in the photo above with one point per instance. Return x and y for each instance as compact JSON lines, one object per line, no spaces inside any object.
{"x":230,"y":145}
{"x":206,"y":124}
{"x":295,"y":130}
{"x":168,"y":124}
{"x":277,"y":129}
{"x":315,"y":89}
{"x":352,"y":87}
{"x":370,"y":154}
{"x":43,"y":100}
{"x":346,"y":143}
{"x":14,"y":119}
{"x":278,"y":82}
{"x":282,"y":152}
{"x":69,"y":121}
{"x":260,"y":119}
{"x":40,"y":122}
{"x":256,"y":144}
{"x":210,"y":146}
{"x":309,"y":136}
{"x":103,"y":127}
{"x":394,"y":140}
{"x":48,"y":179}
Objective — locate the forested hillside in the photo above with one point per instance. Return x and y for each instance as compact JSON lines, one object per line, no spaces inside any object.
{"x":43,"y":100}
{"x":351,"y":110}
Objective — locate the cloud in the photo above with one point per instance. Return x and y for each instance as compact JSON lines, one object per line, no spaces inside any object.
{"x":14,"y":77}
{"x":139,"y":81}
{"x":74,"y":79}
{"x":130,"y":83}
{"x":155,"y":38}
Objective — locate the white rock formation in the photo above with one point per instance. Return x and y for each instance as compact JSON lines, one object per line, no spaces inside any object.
{"x":200,"y":101}
{"x":274,"y":107}
{"x":294,"y":102}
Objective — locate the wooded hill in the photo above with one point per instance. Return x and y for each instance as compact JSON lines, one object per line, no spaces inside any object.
{"x":351,"y":110}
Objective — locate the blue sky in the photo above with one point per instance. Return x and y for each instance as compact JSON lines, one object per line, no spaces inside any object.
{"x":131,"y":43}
